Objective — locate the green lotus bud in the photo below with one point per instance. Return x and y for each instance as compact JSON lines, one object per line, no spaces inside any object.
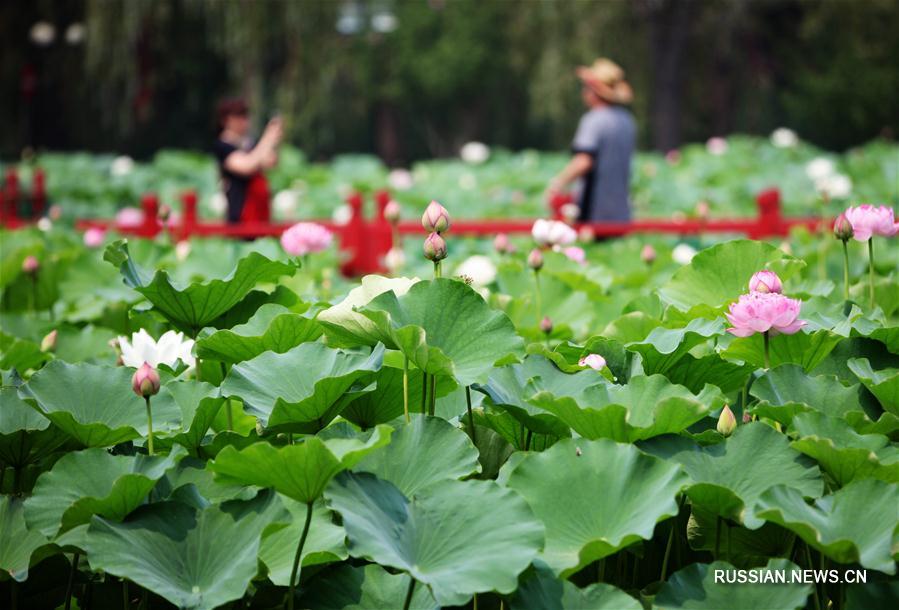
{"x":727,"y":423}
{"x":48,"y":343}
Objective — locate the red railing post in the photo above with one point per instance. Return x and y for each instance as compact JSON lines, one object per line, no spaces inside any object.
{"x":380,"y":234}
{"x":38,"y":193}
{"x":770,"y":219}
{"x":188,"y":214}
{"x":352,"y":236}
{"x":149,"y":203}
{"x":557,"y":201}
{"x":12,"y":196}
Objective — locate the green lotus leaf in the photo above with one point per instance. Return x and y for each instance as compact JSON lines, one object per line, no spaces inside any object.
{"x":558,"y":300}
{"x":720,"y":274}
{"x":324,"y":541}
{"x":20,"y":354}
{"x":884,"y":384}
{"x":95,"y":404}
{"x":442,"y":536}
{"x":17,"y":542}
{"x":645,"y":407}
{"x":843,"y":453}
{"x":618,"y":359}
{"x":272,"y":328}
{"x":595,"y":498}
{"x":445,"y":328}
{"x":728,"y":478}
{"x":425,"y":451}
{"x":873,"y":596}
{"x":367,"y":588}
{"x":27,"y":439}
{"x":195,"y":558}
{"x":193,"y":307}
{"x":346,"y":327}
{"x":664,"y":347}
{"x":299,"y":471}
{"x":310,"y":383}
{"x":199,"y":403}
{"x":68,"y":496}
{"x":511,"y":387}
{"x":858,"y":523}
{"x":694,"y":373}
{"x":542,"y":590}
{"x":694,"y":588}
{"x":808,"y":350}
{"x":786,"y":390}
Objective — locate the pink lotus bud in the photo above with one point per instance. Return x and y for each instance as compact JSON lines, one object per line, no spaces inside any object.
{"x":535,"y":259}
{"x":435,"y":219}
{"x":594,"y":361}
{"x":759,"y":312}
{"x":435,"y":248}
{"x":648,"y":254}
{"x":672,"y":157}
{"x":842,"y":228}
{"x":48,"y":343}
{"x":702,"y":210}
{"x":145,"y":381}
{"x":501,"y":243}
{"x":727,"y":423}
{"x":30,"y":265}
{"x":765,"y":281}
{"x":392,"y":212}
{"x":746,"y":417}
{"x":94,"y":237}
{"x":546,"y":325}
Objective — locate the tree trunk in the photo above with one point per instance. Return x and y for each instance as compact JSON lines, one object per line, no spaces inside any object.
{"x":669,"y":23}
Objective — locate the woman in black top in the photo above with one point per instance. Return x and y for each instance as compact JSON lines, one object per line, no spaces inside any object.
{"x":241,"y":163}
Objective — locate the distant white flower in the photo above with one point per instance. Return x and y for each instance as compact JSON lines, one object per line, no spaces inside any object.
{"x":75,"y":33}
{"x":819,"y":168}
{"x":395,"y":259}
{"x":553,"y":233}
{"x":342,"y":214}
{"x":784,"y":138}
{"x":42,"y":33}
{"x":475,"y":152}
{"x":570,"y":211}
{"x":479,"y":268}
{"x":182,"y":250}
{"x":467,"y":181}
{"x":835,"y":186}
{"x":285,"y":202}
{"x":683,"y":254}
{"x":171,"y":347}
{"x":716,"y":146}
{"x":121,"y":166}
{"x":44,"y":224}
{"x":218,"y":203}
{"x":400,"y":179}
{"x":594,"y":361}
{"x":384,"y":22}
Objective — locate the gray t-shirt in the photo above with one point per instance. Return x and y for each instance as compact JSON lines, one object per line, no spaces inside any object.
{"x":608,"y":134}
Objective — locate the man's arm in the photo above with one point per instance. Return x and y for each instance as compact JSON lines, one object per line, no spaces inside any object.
{"x":263,"y":156}
{"x":580,"y":164}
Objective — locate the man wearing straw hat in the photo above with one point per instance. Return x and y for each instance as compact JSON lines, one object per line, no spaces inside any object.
{"x":602,"y":146}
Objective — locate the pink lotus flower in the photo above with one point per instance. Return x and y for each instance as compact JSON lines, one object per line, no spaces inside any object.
{"x":129,"y":217}
{"x":305,"y":238}
{"x":672,"y":156}
{"x":594,"y":361}
{"x":716,"y":146}
{"x":553,"y":233}
{"x":765,"y":281}
{"x":576,"y":254}
{"x":94,"y":237}
{"x":868,"y":220}
{"x":759,"y":312}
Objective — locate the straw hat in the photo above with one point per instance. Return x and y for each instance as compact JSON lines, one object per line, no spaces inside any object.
{"x":606,"y":79}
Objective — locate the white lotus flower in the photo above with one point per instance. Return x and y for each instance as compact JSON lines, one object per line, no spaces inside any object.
{"x":683,"y":254}
{"x":553,"y":233}
{"x":475,"y":152}
{"x":121,"y":166}
{"x":182,"y":250}
{"x":285,"y":202}
{"x":42,"y":33}
{"x":819,"y":168}
{"x":171,"y":347}
{"x":394,"y":259}
{"x":44,"y":224}
{"x":835,"y":186}
{"x":218,"y":203}
{"x":784,"y":138}
{"x":400,"y":179}
{"x":342,"y":214}
{"x":716,"y":146}
{"x":479,"y":268}
{"x":75,"y":33}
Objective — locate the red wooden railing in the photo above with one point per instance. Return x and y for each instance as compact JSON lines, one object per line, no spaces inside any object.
{"x":364,"y":242}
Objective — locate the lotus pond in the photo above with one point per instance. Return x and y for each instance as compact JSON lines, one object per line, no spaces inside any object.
{"x":588,"y":435}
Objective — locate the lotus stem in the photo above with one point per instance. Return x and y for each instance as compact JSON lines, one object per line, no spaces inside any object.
{"x":406,"y":388}
{"x":470,"y":417}
{"x":296,"y":558}
{"x":424,"y":392}
{"x":767,"y":340}
{"x":871,"y":270}
{"x":409,"y":593}
{"x":527,"y":440}
{"x":437,"y":270}
{"x":717,"y":537}
{"x":845,"y":270}
{"x":432,"y":409}
{"x":126,"y":603}
{"x":537,"y":300}
{"x":149,"y":426}
{"x":71,"y":584}
{"x":601,"y":570}
{"x":808,"y":556}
